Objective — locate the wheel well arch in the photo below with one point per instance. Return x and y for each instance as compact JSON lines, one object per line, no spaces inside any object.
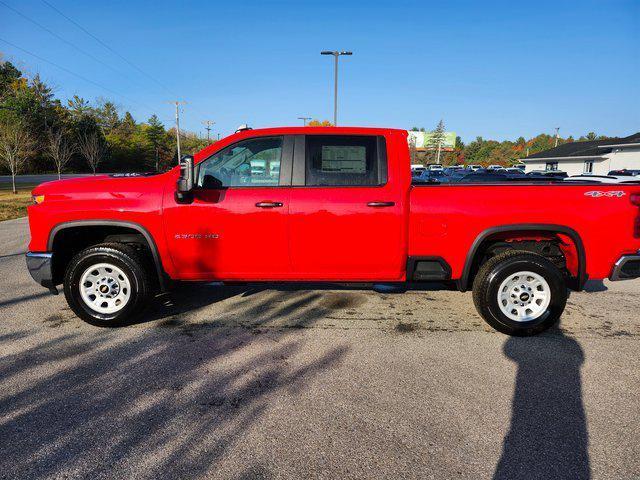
{"x":496,"y":234}
{"x":68,"y":238}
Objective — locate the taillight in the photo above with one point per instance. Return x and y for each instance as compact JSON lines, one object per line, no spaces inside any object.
{"x":635,"y":199}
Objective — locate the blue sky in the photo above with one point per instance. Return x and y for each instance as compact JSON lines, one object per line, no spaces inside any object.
{"x":498,"y":69}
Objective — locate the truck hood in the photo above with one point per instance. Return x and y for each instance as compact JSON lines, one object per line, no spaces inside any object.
{"x":102,"y":187}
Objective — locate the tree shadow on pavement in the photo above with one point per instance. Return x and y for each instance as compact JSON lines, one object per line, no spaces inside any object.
{"x":151,"y":402}
{"x":548,"y":435}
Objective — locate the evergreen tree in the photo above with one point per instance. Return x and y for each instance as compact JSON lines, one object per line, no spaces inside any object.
{"x":437,"y":140}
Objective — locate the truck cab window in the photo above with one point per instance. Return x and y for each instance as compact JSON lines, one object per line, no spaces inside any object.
{"x":250,"y":163}
{"x":345,"y":160}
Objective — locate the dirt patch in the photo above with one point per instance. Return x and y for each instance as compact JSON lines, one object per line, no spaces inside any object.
{"x":403,"y":327}
{"x":55,"y":321}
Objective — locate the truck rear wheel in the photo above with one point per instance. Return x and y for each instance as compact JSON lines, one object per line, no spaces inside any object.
{"x":519,"y":293}
{"x":107,"y":285}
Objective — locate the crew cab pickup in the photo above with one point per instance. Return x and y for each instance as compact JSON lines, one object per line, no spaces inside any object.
{"x":332,"y":204}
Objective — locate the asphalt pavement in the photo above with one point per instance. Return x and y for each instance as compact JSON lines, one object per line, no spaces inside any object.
{"x":33,"y":180}
{"x":250,"y":382}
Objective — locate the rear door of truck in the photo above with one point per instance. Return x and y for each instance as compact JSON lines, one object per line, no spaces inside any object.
{"x":346,"y":220}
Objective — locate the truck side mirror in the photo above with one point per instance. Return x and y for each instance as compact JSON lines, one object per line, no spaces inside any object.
{"x":184,"y":185}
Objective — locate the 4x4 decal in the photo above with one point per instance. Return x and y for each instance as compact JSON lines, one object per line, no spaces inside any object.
{"x":598,"y":194}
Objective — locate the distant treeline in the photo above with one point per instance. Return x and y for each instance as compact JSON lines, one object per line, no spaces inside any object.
{"x":40,"y":133}
{"x":491,"y":152}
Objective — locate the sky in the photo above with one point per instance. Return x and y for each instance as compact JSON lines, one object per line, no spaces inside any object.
{"x":496,"y":69}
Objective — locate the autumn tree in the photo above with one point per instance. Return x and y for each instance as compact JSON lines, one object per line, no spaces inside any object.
{"x":92,"y":148}
{"x":318,"y":123}
{"x":16,"y":146}
{"x":59,"y":149}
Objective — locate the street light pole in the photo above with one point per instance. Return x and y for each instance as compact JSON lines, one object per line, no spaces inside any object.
{"x":335,"y":54}
{"x":304,"y":120}
{"x":177,"y":103}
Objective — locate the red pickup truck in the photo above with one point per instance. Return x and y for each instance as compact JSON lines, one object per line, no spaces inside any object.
{"x":328,"y":205}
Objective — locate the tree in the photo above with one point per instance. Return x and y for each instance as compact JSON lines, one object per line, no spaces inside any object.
{"x":154,"y":134}
{"x":437,"y":139}
{"x":78,"y":106}
{"x":16,"y":146}
{"x":107,"y":116}
{"x":8,"y":75}
{"x":591,"y":136}
{"x":59,"y":148}
{"x":92,"y":148}
{"x":318,"y":123}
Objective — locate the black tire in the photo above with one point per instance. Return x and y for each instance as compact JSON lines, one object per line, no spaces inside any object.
{"x":126,"y":258}
{"x":498,"y":269}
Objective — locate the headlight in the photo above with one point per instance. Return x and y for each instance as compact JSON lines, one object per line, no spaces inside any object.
{"x":37,"y":199}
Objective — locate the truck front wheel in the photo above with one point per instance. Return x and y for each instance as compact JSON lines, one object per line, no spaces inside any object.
{"x":519,"y":293}
{"x":107,"y":285}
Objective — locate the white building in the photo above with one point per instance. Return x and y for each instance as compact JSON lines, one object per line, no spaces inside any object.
{"x":597,"y":157}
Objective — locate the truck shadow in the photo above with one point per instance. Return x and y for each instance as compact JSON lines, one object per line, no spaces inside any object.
{"x":263,"y":304}
{"x":147,"y":402}
{"x":548,"y":435}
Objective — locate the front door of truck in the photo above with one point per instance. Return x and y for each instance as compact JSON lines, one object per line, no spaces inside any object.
{"x":346,"y":210}
{"x":236,"y":227}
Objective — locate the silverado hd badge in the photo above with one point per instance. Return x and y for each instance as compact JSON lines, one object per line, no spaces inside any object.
{"x":196,"y":236}
{"x":598,"y":194}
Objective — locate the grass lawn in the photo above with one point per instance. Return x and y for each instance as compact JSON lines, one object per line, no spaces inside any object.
{"x":14,"y":205}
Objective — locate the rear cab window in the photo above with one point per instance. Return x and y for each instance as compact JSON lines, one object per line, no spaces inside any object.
{"x":345,"y":160}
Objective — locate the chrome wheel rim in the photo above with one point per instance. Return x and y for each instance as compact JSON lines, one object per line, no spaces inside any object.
{"x":524,"y":296}
{"x":105,"y":288}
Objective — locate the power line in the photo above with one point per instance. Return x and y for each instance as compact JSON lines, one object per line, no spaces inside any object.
{"x":108,"y":47}
{"x":62,"y":39}
{"x":77,"y":75}
{"x":105,"y":45}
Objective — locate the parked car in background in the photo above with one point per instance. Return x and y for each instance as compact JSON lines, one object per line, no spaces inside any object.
{"x":625,"y":173}
{"x":495,"y":167}
{"x":434,"y":166}
{"x":434,"y":176}
{"x":417,"y":169}
{"x":548,"y":173}
{"x":514,"y":171}
{"x":603,"y":179}
{"x":483,"y":177}
{"x":451,"y":170}
{"x":474,"y":167}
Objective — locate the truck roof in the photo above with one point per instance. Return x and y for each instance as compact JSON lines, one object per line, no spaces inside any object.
{"x":323,"y":130}
{"x":294,"y":131}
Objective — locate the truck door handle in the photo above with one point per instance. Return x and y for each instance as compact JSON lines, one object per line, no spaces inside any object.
{"x":381,"y":204}
{"x":268,"y":204}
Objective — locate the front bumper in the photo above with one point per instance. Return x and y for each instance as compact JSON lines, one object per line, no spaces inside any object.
{"x":39,"y":265}
{"x":626,"y":268}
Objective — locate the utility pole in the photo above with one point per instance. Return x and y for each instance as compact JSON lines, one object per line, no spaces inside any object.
{"x":304,"y":120}
{"x":557,"y":135}
{"x":208,"y":124}
{"x":177,"y":103}
{"x":336,"y":55}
